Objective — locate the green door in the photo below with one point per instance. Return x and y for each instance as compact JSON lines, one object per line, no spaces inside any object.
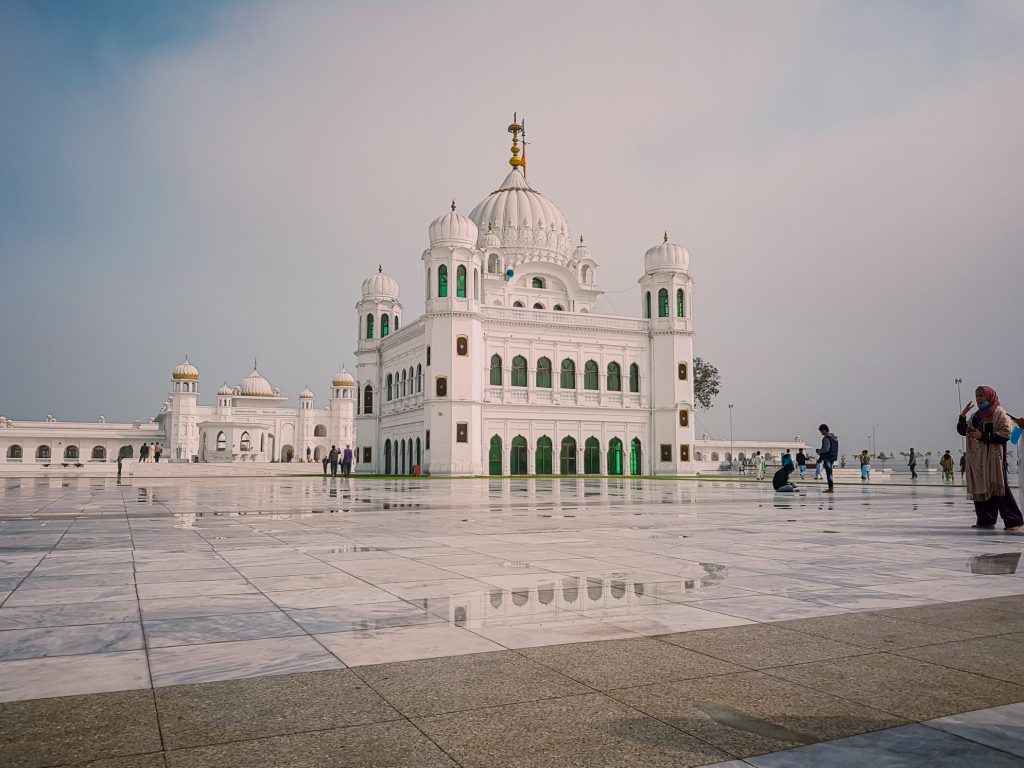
{"x":519,"y":451}
{"x":543,"y":458}
{"x":634,"y":457}
{"x":494,"y":457}
{"x":591,"y":456}
{"x":615,"y":456}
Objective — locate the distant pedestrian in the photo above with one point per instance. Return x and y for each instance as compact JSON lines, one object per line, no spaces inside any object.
{"x":987,"y":433}
{"x":762,"y":465}
{"x":787,"y":458}
{"x":963,"y":465}
{"x":120,"y":458}
{"x":946,"y":462}
{"x":828,"y":453}
{"x":817,"y":470}
{"x":780,"y":480}
{"x":333,"y":457}
{"x":912,"y":463}
{"x":346,"y":461}
{"x":801,"y":462}
{"x":144,"y":452}
{"x":309,"y":451}
{"x":157,"y":450}
{"x":842,"y":461}
{"x":325,"y":461}
{"x":865,"y":465}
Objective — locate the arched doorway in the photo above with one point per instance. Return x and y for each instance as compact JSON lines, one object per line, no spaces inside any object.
{"x":402,"y":454}
{"x":419,"y":453}
{"x":387,"y":456}
{"x":542,"y":460}
{"x":287,"y":453}
{"x":567,"y":459}
{"x":494,"y":457}
{"x":615,"y":456}
{"x":592,"y":456}
{"x":635,"y":464}
{"x":519,"y":456}
{"x":319,"y":453}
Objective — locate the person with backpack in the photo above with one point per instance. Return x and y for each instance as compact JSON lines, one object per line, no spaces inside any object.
{"x":801,"y":462}
{"x":828,"y":454}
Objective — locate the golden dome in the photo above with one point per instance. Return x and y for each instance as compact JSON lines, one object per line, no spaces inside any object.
{"x":185,"y":371}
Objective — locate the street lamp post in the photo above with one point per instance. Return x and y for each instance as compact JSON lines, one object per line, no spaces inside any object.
{"x":732,"y":456}
{"x":873,"y":450}
{"x":959,"y":405}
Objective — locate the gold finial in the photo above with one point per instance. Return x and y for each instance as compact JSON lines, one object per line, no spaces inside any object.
{"x":666,"y":236}
{"x":453,"y":206}
{"x":380,"y":269}
{"x":515,"y":129}
{"x":581,"y":239}
{"x":490,"y":226}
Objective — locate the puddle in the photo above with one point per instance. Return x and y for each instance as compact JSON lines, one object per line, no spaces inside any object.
{"x":994,"y":565}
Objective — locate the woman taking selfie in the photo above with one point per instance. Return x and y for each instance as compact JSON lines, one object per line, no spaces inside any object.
{"x":987,"y":433}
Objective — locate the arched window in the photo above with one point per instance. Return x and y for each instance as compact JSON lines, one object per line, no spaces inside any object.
{"x":126,"y":451}
{"x":614,"y":377}
{"x":586,"y":274}
{"x":494,"y":457}
{"x":590,"y":375}
{"x":368,"y":399}
{"x":635,"y":464}
{"x":442,"y":282}
{"x":592,"y":456}
{"x":419,"y":452}
{"x":244,"y":444}
{"x":542,"y":461}
{"x":538,"y":305}
{"x":680,"y":303}
{"x":518,"y":371}
{"x":387,"y":456}
{"x":385,"y":326}
{"x":568,"y":375}
{"x":519,"y":456}
{"x":634,"y":377}
{"x":647,"y":304}
{"x":714,"y":455}
{"x":99,"y":453}
{"x":427,"y":286}
{"x":14,"y":452}
{"x":663,"y":302}
{"x":396,"y":323}
{"x":567,"y":457}
{"x":615,"y":456}
{"x":419,"y":377}
{"x":43,"y":452}
{"x":538,"y":282}
{"x":405,"y":381}
{"x":518,"y":304}
{"x":71,"y":452}
{"x":496,"y":370}
{"x":460,"y":281}
{"x":320,"y":431}
{"x":369,"y":326}
{"x":544,"y":375}
{"x":222,"y":442}
{"x":389,"y":388}
{"x":492,"y":264}
{"x":558,"y":308}
{"x":476,"y":283}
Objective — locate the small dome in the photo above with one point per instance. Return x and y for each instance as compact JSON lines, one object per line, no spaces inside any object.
{"x":225,"y":390}
{"x":453,"y":229}
{"x":490,"y":239}
{"x":306,"y":394}
{"x":254,"y":385}
{"x":581,"y":252}
{"x":185,"y":371}
{"x":343,"y":379}
{"x":380,"y":285}
{"x":666,"y":256}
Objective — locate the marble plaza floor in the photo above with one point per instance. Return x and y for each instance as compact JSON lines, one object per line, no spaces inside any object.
{"x":549,"y":622}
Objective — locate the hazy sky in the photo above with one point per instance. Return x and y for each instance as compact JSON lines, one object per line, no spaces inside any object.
{"x":217,"y":179}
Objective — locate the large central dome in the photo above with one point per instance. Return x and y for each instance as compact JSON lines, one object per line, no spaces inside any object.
{"x":524,"y":220}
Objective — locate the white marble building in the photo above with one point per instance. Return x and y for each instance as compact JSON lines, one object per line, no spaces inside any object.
{"x":510,"y":370}
{"x":251,"y":422}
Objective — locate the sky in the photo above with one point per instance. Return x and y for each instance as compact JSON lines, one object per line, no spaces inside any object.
{"x":217,"y":178}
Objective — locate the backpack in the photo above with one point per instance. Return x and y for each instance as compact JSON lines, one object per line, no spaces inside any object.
{"x":833,"y":448}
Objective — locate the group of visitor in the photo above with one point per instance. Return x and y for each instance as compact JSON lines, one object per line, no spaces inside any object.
{"x":146,"y":452}
{"x":333,"y":456}
{"x":828,"y":454}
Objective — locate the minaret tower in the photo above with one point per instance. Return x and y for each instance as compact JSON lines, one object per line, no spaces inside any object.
{"x":665,"y":296}
{"x":342,"y":407}
{"x":380,"y":313}
{"x":182,"y":435}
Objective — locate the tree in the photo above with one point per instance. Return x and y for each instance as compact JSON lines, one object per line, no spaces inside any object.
{"x":883,"y":458}
{"x":706,"y":382}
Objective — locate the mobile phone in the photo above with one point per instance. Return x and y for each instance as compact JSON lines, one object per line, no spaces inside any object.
{"x":988,"y":428}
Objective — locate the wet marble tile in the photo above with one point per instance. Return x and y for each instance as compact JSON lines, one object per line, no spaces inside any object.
{"x":214,"y":588}
{"x":70,"y":675}
{"x":69,"y":595}
{"x":325,"y":597}
{"x":39,"y":642}
{"x":215,"y":605}
{"x":364,"y":616}
{"x":1000,"y":728}
{"x":201,"y":663}
{"x":214,"y":629}
{"x":910,"y":746}
{"x":424,"y":641}
{"x":767,"y":607}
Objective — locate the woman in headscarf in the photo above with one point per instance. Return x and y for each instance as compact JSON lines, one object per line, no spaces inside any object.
{"x":987,"y":433}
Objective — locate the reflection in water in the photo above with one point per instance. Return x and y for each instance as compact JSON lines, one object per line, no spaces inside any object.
{"x":994,"y":565}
